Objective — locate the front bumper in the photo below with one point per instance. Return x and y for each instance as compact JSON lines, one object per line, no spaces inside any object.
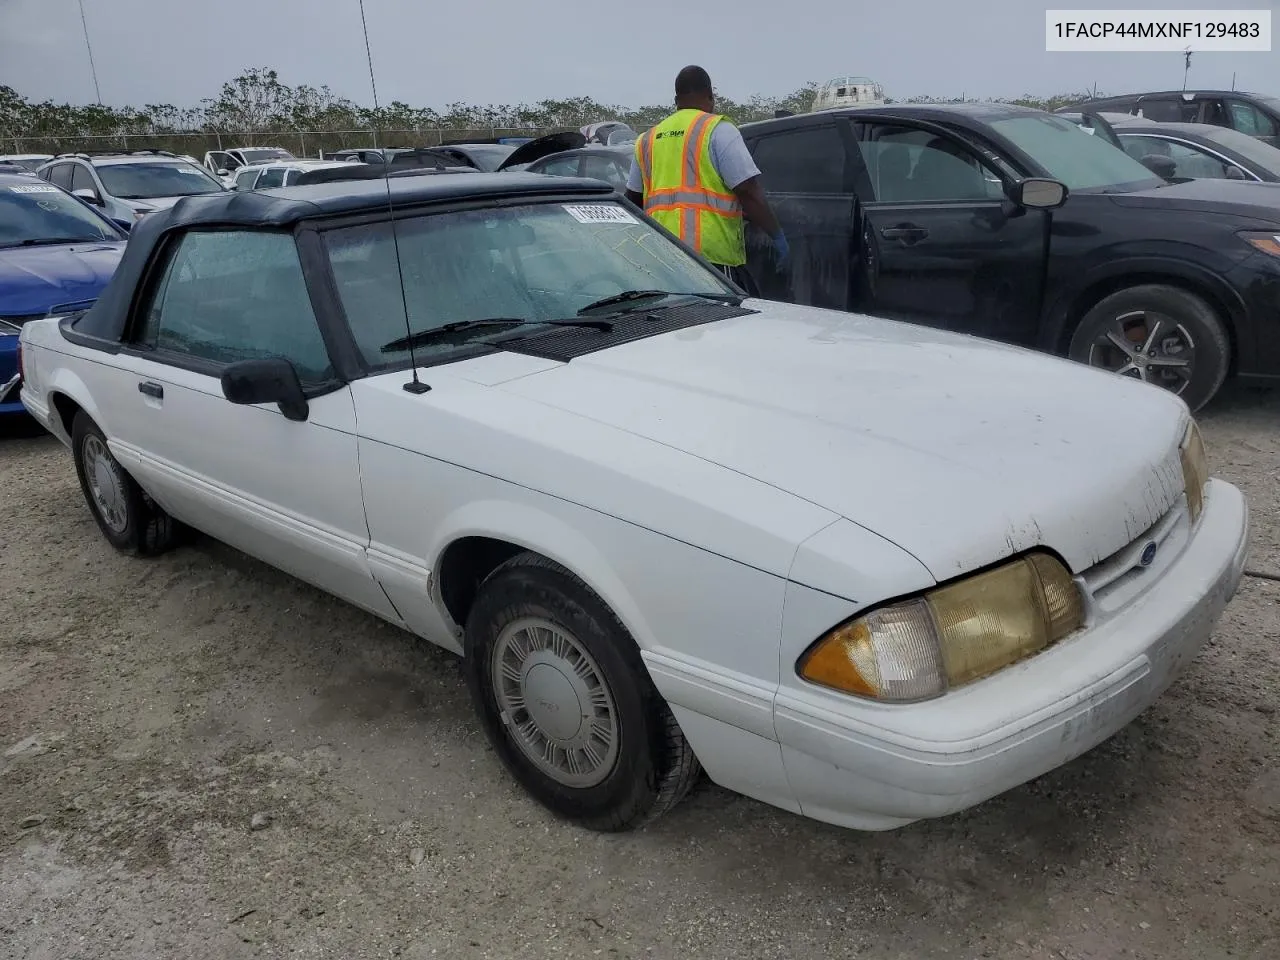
{"x":878,"y":766}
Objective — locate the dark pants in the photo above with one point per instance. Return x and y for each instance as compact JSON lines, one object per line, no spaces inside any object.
{"x":739,"y":276}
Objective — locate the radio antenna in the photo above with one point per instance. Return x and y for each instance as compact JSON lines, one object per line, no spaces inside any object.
{"x":414,"y":385}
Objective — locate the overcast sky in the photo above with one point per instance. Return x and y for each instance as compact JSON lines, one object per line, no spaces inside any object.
{"x":510,"y":51}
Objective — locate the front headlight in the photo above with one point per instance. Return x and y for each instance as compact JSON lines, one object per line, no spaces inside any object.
{"x":1195,"y":470}
{"x":1264,"y":240}
{"x":952,"y":635}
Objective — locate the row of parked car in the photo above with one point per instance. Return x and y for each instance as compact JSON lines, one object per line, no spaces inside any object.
{"x":1155,"y":254}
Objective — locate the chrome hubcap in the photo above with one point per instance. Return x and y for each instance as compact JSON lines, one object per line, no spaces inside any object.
{"x":105,"y":484}
{"x":1148,"y":346}
{"x":554,"y":701}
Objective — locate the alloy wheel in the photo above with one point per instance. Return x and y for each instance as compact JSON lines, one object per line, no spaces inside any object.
{"x":1148,"y":346}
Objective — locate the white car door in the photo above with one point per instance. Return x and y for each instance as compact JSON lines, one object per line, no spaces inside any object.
{"x":285,"y":491}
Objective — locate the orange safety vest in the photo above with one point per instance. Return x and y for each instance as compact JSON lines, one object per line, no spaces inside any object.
{"x":685,"y":193}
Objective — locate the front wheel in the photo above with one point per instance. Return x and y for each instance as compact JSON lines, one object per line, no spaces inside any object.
{"x":1159,"y":334}
{"x":567,"y":703}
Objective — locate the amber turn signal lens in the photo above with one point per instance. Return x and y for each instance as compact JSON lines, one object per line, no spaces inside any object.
{"x":952,"y":635}
{"x":1195,"y":470}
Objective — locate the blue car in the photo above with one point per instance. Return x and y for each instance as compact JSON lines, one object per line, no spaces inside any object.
{"x":55,"y":252}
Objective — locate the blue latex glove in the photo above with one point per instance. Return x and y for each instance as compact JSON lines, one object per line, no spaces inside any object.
{"x":781,"y":249}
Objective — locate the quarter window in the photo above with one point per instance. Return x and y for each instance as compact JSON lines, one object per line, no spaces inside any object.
{"x":804,"y":160}
{"x":236,"y":295}
{"x":906,"y":164}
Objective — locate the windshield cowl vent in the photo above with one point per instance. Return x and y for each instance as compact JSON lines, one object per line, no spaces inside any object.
{"x":565,"y":343}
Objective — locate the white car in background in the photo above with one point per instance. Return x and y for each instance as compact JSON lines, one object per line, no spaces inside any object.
{"x":225,"y":163}
{"x":866,"y":571}
{"x":31,"y":162}
{"x":260,"y":176}
{"x":128,"y":186}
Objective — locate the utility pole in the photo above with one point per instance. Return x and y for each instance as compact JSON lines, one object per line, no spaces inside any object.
{"x":88,"y":46}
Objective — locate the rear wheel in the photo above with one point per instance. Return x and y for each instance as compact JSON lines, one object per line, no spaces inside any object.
{"x":1159,"y":334}
{"x":130,"y":520}
{"x":567,"y":703}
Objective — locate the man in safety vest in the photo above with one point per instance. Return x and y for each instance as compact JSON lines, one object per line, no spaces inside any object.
{"x":693,"y":174}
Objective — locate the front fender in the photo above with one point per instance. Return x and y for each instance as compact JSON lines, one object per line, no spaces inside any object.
{"x":1086,"y":287}
{"x":527,"y":526}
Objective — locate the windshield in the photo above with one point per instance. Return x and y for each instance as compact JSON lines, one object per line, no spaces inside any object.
{"x":537,"y":262}
{"x":146,"y":181}
{"x":41,"y":213}
{"x":1082,"y":163}
{"x":1251,"y":148}
{"x":263,"y":154}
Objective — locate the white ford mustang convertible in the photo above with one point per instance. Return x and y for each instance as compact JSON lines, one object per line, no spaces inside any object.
{"x":866,"y":571}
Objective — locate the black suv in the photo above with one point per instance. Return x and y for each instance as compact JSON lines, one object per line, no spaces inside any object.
{"x":1251,"y":113}
{"x":916,"y":212}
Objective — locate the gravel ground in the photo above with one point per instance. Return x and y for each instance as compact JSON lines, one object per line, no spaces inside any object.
{"x":202,"y":758}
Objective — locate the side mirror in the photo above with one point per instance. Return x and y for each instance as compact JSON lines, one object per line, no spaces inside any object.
{"x":88,"y":195}
{"x":224,"y":172}
{"x":1039,"y":193}
{"x":1165,"y":167}
{"x":270,"y":380}
{"x":1235,"y":173}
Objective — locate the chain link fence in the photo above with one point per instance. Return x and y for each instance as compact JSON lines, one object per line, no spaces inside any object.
{"x":301,"y":143}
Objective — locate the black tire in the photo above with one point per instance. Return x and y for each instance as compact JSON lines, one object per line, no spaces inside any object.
{"x":146,"y":530}
{"x":1195,"y":325}
{"x":653,"y":768}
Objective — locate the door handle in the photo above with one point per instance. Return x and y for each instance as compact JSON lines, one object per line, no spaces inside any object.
{"x":908,"y":233}
{"x":151,"y":389}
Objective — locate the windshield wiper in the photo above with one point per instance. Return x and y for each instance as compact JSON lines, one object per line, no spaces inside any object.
{"x":53,"y":241}
{"x":626,"y":295}
{"x":438,"y":333}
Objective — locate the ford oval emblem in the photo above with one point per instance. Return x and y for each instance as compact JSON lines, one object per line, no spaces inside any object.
{"x":1148,"y":554}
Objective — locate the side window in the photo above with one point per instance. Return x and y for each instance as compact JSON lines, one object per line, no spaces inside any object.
{"x":1190,"y":161}
{"x":81,"y":179}
{"x":271,"y":177}
{"x":236,"y":295}
{"x":804,"y":160}
{"x":1247,"y":118}
{"x":560,"y":167}
{"x":245,"y":178}
{"x":604,"y":168}
{"x":60,"y":175}
{"x":911,"y":165}
{"x":1169,"y":111}
{"x":1215,"y":113}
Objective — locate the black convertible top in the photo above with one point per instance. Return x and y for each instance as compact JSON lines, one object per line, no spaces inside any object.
{"x":283,"y":207}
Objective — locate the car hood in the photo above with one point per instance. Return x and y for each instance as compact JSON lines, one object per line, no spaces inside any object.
{"x":959,"y":450}
{"x":155,"y":203}
{"x":543,"y":147}
{"x":33,"y":279}
{"x":1241,"y":197}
